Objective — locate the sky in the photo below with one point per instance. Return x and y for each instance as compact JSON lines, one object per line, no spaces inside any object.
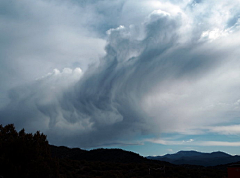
{"x":149,"y":76}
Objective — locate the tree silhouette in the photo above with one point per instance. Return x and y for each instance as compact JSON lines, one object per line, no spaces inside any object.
{"x":24,"y":154}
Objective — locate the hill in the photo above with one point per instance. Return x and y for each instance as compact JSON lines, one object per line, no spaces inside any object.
{"x":104,"y":155}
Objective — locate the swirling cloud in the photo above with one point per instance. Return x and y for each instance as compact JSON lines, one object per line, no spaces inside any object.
{"x":173,"y":71}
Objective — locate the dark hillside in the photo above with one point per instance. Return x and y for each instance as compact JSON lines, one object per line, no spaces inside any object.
{"x":29,"y":155}
{"x":105,"y":155}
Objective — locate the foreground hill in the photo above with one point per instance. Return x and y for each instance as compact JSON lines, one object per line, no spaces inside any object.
{"x":75,"y":162}
{"x":197,"y":158}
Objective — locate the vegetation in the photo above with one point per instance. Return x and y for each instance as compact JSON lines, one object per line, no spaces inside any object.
{"x":29,"y":155}
{"x":25,"y":155}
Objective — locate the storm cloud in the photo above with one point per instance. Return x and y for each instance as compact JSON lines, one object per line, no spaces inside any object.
{"x":174,"y":70}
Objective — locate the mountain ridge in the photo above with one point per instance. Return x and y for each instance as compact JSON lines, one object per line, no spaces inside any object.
{"x":197,"y":158}
{"x":100,"y":154}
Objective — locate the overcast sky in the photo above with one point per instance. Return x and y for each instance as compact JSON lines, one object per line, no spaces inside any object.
{"x":150,"y":76}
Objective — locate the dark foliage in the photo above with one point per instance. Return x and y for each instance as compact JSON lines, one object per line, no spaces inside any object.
{"x":105,"y":155}
{"x":25,"y":155}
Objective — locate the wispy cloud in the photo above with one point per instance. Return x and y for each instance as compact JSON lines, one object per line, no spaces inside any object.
{"x":192,"y":142}
{"x":218,"y":143}
{"x":171,"y":142}
{"x":226,"y":130}
{"x":166,"y":69}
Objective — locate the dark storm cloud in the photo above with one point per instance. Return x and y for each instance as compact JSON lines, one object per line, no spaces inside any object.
{"x":157,"y":76}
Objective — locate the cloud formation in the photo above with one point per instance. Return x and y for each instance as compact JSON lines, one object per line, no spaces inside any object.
{"x":173,"y":71}
{"x":37,"y":37}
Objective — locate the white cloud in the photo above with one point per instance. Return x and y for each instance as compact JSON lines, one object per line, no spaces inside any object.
{"x":170,"y":150}
{"x":38,"y":36}
{"x":218,"y":143}
{"x":171,"y":142}
{"x":213,"y":34}
{"x":194,"y":143}
{"x":225,"y":130}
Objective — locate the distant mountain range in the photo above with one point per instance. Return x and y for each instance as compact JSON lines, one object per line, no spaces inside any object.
{"x":122,"y":156}
{"x":197,"y":158}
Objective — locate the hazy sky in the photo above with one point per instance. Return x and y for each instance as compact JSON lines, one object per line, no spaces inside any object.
{"x":150,"y":76}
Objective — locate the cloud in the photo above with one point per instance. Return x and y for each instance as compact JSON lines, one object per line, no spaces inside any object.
{"x":174,"y":71}
{"x":219,"y":143}
{"x":170,"y":150}
{"x":191,"y":142}
{"x":39,"y":36}
{"x":171,"y":142}
{"x":37,"y":105}
{"x":226,"y":130}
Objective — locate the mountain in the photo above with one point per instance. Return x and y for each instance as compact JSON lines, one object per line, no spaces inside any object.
{"x":197,"y":158}
{"x":103,"y":155}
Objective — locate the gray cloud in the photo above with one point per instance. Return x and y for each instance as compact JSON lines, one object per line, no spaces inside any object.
{"x":37,"y":37}
{"x":163,"y":74}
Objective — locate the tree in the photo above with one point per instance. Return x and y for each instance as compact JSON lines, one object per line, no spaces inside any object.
{"x":24,"y":154}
